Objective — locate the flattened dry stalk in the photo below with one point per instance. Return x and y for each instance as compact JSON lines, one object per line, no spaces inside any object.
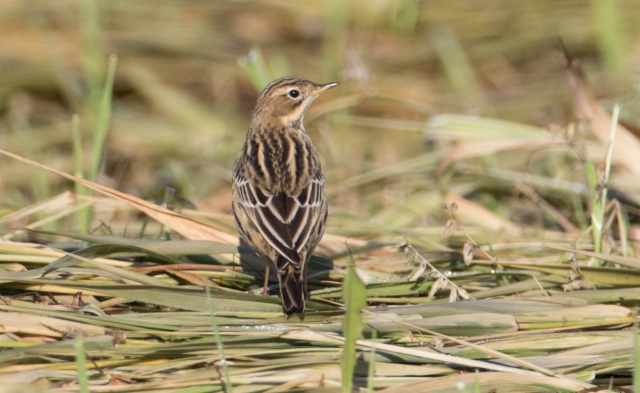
{"x":441,"y":277}
{"x":491,"y":352}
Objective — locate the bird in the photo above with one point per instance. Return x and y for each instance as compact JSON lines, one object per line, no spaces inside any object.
{"x":279,"y":202}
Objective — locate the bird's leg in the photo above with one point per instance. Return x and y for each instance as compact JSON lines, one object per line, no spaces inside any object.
{"x":266,"y":280}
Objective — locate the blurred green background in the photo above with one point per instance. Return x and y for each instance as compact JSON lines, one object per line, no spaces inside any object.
{"x":183,"y":91}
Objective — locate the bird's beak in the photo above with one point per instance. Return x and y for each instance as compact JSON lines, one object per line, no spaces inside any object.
{"x":323,"y":88}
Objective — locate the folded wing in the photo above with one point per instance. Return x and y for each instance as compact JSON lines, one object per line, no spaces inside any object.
{"x":285,"y":221}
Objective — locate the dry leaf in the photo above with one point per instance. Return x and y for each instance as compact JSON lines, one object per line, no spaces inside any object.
{"x":185,"y":226}
{"x":191,"y":278}
{"x":464,"y":294}
{"x":453,"y":295}
{"x":576,"y":279}
{"x":436,"y":342}
{"x":466,"y":150}
{"x":467,"y":252}
{"x":440,"y":283}
{"x":449,"y":229}
{"x":481,"y":216}
{"x":418,"y":271}
{"x":626,"y":147}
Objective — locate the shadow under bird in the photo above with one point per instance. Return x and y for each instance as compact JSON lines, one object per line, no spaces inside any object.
{"x":279,"y":202}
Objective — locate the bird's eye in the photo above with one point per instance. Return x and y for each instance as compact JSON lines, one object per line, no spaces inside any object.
{"x":293,"y":93}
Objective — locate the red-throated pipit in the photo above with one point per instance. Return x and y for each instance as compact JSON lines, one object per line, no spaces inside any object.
{"x":279,"y":202}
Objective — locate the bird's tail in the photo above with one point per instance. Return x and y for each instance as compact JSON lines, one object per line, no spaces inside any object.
{"x":293,"y":290}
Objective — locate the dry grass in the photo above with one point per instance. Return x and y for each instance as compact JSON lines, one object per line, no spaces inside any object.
{"x":467,"y":106}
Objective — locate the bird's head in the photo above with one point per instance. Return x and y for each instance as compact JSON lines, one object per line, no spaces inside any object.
{"x":286,"y":100}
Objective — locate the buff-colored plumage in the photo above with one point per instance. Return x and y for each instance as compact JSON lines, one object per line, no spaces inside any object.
{"x":279,"y":202}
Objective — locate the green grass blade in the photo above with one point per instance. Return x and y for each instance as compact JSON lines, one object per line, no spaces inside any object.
{"x":611,"y":36}
{"x":83,"y":215}
{"x":254,"y":66}
{"x":404,"y":15}
{"x":372,"y":363}
{"x":354,"y":297}
{"x":456,"y":64}
{"x":92,"y":55}
{"x":223,"y":361}
{"x":103,"y":119}
{"x":81,"y":364}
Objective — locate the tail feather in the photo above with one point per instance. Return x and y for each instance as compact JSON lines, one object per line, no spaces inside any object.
{"x":293,"y":290}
